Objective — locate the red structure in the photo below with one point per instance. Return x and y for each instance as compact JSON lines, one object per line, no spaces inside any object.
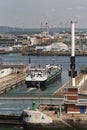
{"x":72,"y":103}
{"x":71,"y":99}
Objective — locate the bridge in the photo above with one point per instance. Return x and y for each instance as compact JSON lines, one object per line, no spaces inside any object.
{"x":16,"y":105}
{"x":41,"y":100}
{"x":38,"y":100}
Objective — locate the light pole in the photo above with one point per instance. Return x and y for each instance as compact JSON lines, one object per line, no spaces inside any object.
{"x":39,"y":91}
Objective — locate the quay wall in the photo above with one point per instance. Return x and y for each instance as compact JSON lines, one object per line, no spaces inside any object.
{"x":52,"y":53}
{"x":41,"y":53}
{"x":12,"y":83}
{"x":79,"y":83}
{"x":11,"y":119}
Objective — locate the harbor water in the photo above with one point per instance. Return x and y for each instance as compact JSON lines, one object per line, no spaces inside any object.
{"x":23,"y":90}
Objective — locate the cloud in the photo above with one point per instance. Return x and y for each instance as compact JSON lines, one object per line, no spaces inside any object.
{"x":53,"y":10}
{"x":81,"y":7}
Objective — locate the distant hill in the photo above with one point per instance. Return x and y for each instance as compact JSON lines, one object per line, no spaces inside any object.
{"x":15,"y":30}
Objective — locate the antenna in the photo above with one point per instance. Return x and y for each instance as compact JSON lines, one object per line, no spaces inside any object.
{"x":47,"y":28}
{"x":41,"y":27}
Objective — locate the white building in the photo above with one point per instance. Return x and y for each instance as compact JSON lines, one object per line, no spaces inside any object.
{"x":58,"y":46}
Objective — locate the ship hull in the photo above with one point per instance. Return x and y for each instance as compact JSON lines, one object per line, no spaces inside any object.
{"x":53,"y":78}
{"x":35,"y":83}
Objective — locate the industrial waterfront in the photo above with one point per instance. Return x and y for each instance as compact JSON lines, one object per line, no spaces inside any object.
{"x":8,"y":106}
{"x":43,"y":60}
{"x":43,"y":65}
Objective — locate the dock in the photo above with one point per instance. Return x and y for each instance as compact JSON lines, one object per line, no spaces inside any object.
{"x":62,"y":122}
{"x":11,"y":81}
{"x":15,"y":79}
{"x":80,"y":83}
{"x":11,"y":119}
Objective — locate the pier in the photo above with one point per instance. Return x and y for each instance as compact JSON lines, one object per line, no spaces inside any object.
{"x":15,"y":79}
{"x":11,"y":81}
{"x":18,"y":67}
{"x":50,"y":106}
{"x":81,"y":81}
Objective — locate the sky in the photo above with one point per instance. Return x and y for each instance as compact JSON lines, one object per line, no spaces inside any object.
{"x":31,"y":13}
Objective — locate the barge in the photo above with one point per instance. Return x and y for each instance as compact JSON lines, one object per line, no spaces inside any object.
{"x":40,"y":77}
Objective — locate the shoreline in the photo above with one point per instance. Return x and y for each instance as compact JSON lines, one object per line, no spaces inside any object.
{"x":50,"y":53}
{"x":60,"y":122}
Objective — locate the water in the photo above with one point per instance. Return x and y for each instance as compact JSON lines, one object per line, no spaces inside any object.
{"x":35,"y":61}
{"x":23,"y":90}
{"x":11,"y":127}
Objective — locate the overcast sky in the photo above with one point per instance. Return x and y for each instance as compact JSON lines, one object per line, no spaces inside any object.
{"x":30,"y":13}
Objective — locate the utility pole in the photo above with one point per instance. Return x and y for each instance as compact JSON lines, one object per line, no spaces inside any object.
{"x":72,"y":72}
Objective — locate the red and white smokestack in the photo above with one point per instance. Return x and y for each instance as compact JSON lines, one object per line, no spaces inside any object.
{"x":72,"y":72}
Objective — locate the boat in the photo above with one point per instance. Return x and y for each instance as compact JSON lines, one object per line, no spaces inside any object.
{"x":40,"y":77}
{"x":5,"y":72}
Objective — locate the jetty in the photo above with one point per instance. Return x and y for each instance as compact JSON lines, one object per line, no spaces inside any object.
{"x":51,"y":53}
{"x":11,"y":81}
{"x":15,"y":79}
{"x":81,"y":81}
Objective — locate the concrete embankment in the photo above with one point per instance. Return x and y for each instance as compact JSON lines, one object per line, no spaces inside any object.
{"x":79,"y":83}
{"x":14,"y":79}
{"x":63,"y":122}
{"x":83,"y":86}
{"x":11,"y":81}
{"x":51,"y":53}
{"x":11,"y":119}
{"x":60,"y":122}
{"x":57,"y":123}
